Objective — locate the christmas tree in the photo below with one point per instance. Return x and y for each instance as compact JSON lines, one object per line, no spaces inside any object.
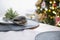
{"x":50,"y":9}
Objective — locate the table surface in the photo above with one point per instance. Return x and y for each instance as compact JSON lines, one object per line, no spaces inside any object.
{"x":27,"y":34}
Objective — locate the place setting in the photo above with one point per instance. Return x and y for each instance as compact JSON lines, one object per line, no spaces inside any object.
{"x":16,"y":24}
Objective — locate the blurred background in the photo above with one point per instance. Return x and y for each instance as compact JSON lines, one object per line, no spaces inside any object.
{"x":21,"y":6}
{"x":43,"y":11}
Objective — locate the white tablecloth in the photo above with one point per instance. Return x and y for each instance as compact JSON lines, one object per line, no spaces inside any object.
{"x":27,"y":34}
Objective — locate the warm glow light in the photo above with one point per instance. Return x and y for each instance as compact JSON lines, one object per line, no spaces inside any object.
{"x":52,"y":7}
{"x":54,"y":12}
{"x":38,"y":7}
{"x":57,"y":16}
{"x":50,"y":2}
{"x":59,"y":0}
{"x":46,"y":9}
{"x":51,"y":17}
{"x":49,"y":10}
{"x":59,"y":24}
{"x":41,"y":9}
{"x":54,"y":1}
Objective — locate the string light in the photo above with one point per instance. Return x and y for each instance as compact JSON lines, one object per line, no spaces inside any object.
{"x":52,"y":7}
{"x":51,"y":17}
{"x":38,"y":7}
{"x":46,"y":9}
{"x":50,"y":2}
{"x":54,"y":12}
{"x":54,"y":1}
{"x":41,"y":9}
{"x":57,"y":16}
{"x":59,"y":24}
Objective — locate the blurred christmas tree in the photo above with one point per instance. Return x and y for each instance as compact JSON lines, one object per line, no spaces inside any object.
{"x":49,"y":7}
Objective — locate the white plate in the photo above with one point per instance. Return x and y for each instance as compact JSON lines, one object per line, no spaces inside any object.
{"x":5,"y":22}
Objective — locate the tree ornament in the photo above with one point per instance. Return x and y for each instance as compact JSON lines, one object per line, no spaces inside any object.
{"x":49,"y":10}
{"x":54,"y":4}
{"x":43,"y":5}
{"x":51,"y":17}
{"x":57,"y":19}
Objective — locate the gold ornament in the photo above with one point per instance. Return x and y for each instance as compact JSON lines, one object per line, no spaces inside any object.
{"x":49,"y":10}
{"x":51,"y":17}
{"x":44,"y":11}
{"x":52,"y":7}
{"x":38,"y":7}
